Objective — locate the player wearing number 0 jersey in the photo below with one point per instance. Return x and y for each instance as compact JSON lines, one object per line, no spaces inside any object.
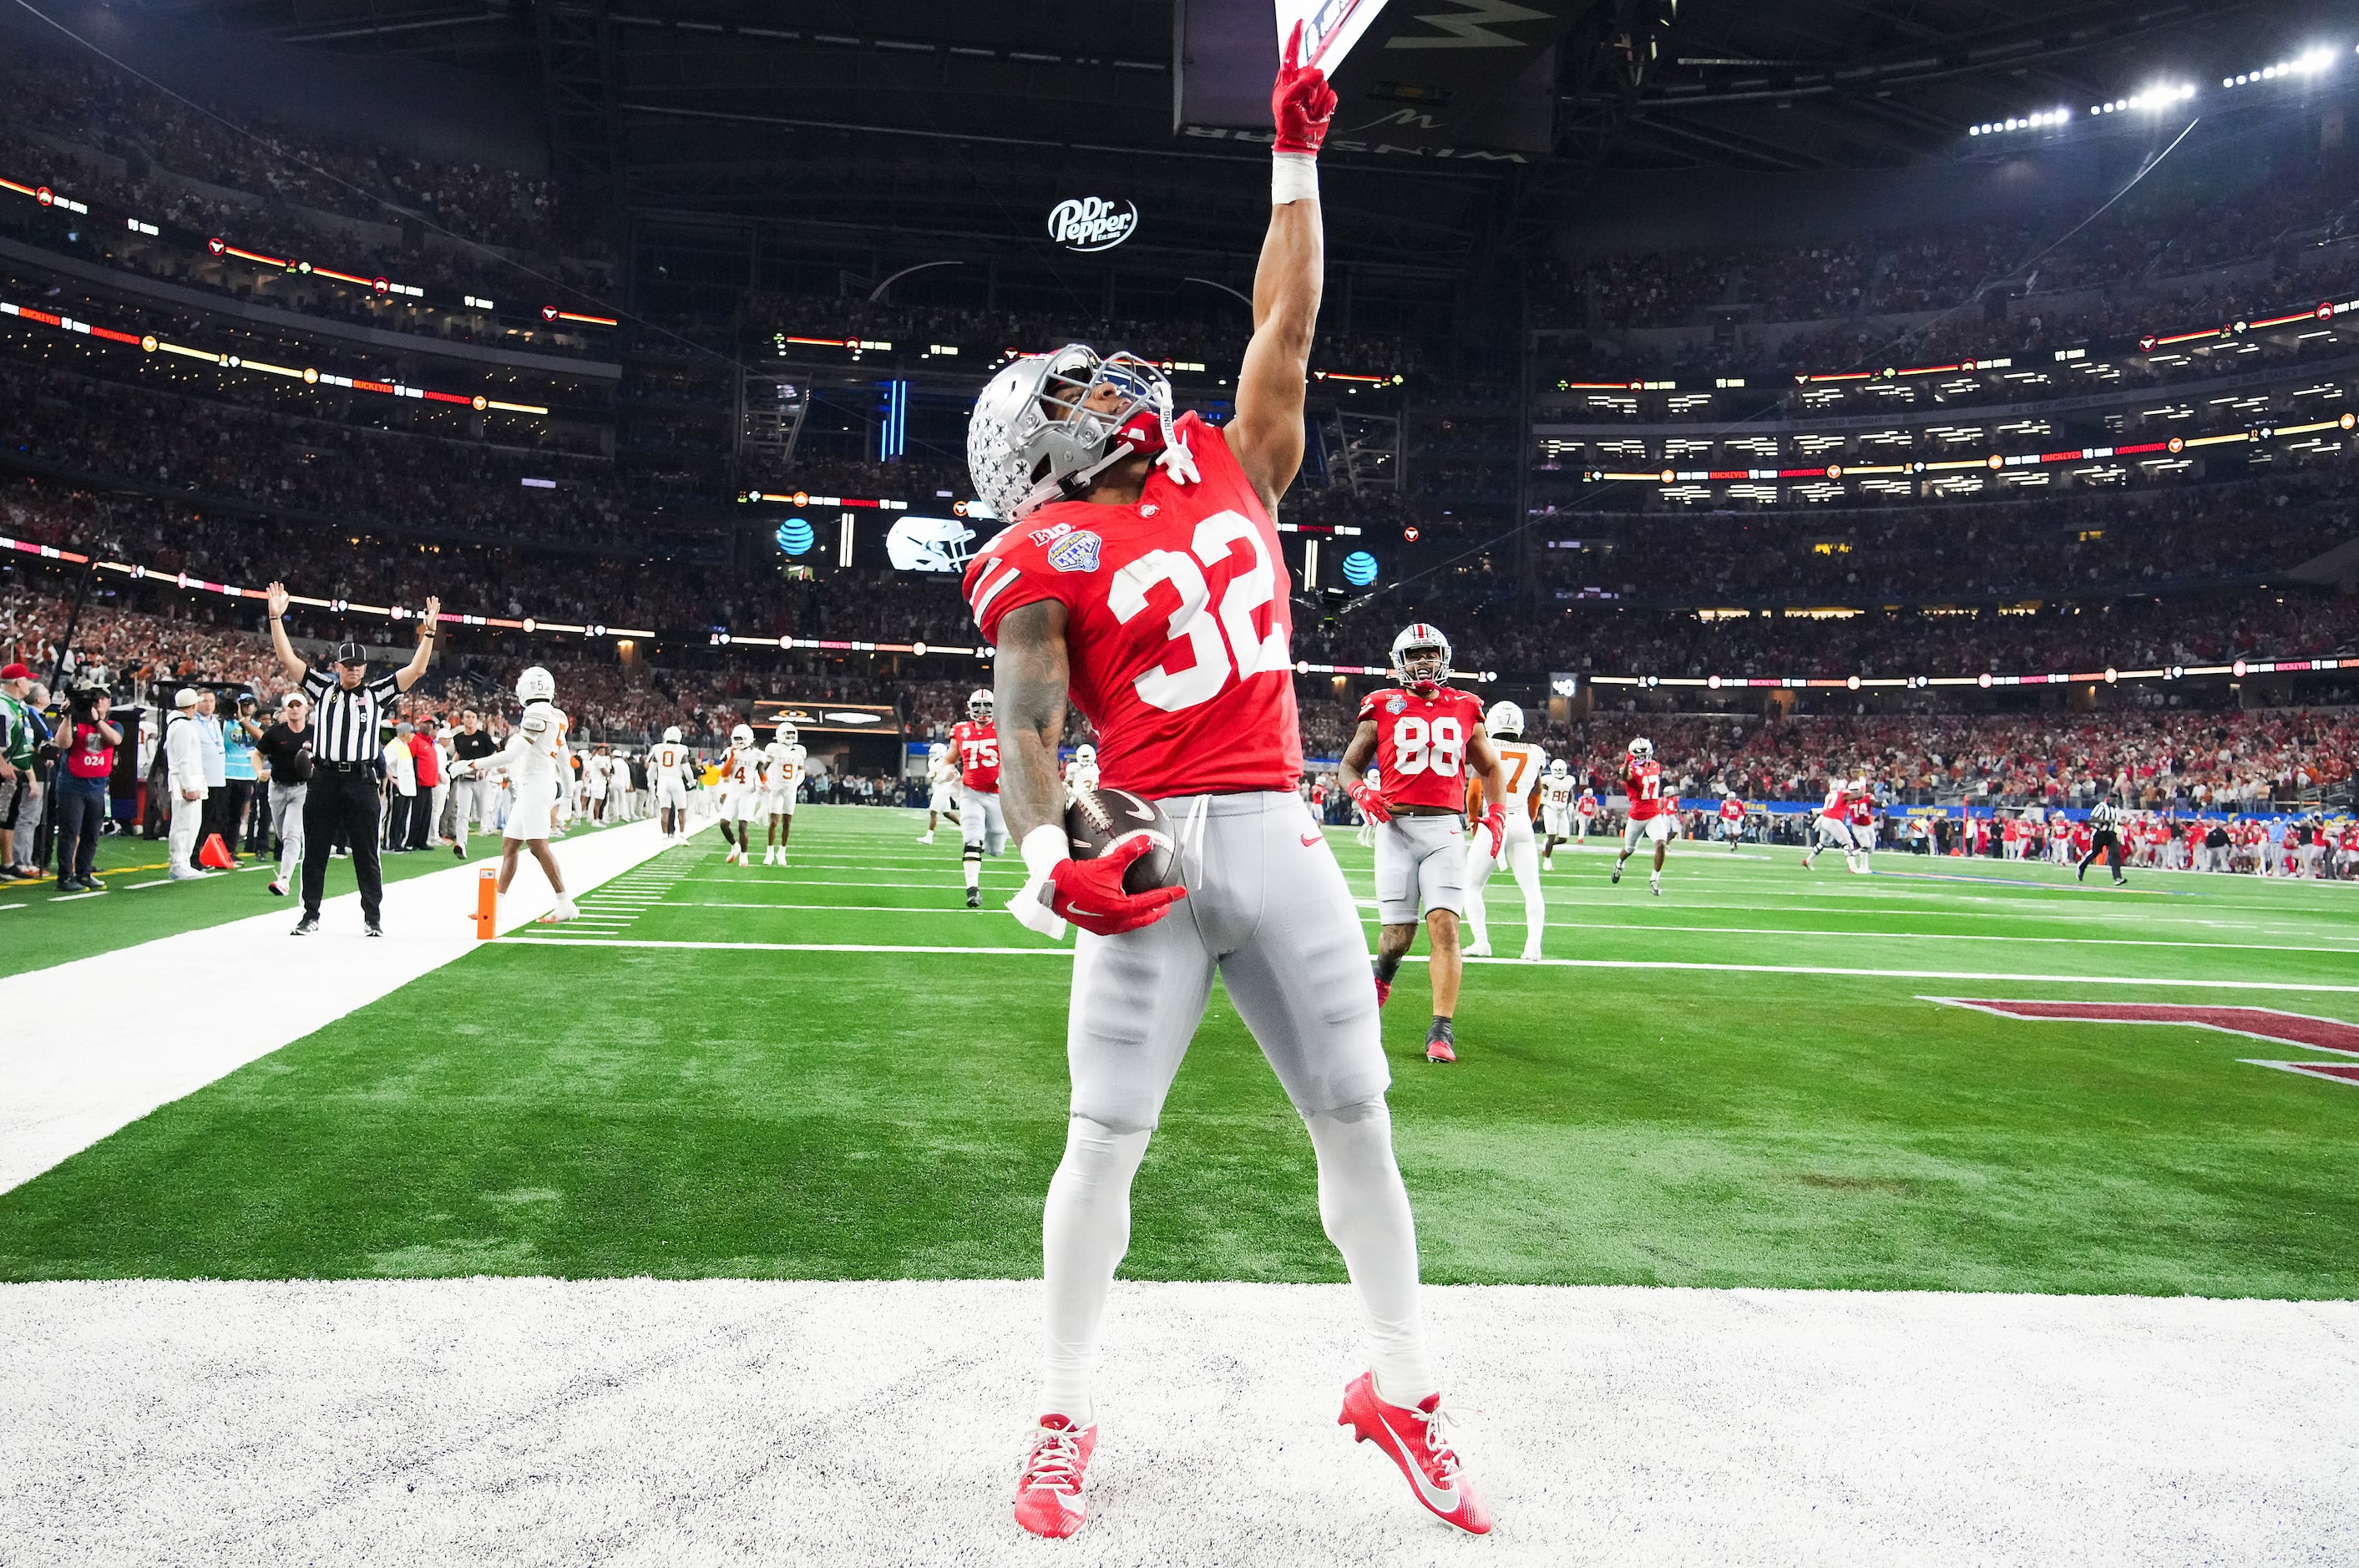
{"x":1652,"y":817}
{"x":1428,"y":739}
{"x":1139,"y":579}
{"x":1523,"y":764}
{"x":668,"y":765}
{"x":975,"y":746}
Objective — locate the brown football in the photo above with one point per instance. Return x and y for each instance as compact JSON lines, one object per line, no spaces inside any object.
{"x":1098,"y":819}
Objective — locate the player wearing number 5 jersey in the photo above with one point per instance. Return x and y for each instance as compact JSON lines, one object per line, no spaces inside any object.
{"x":1428,"y":740}
{"x":1653,"y":817}
{"x":1139,"y":579}
{"x":974,"y":747}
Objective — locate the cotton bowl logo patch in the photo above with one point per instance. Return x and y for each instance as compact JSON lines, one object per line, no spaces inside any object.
{"x":1396,"y":704}
{"x":1076,"y":552}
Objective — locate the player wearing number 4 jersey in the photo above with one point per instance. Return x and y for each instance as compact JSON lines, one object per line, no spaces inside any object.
{"x":1652,"y":817}
{"x":1428,"y":739}
{"x":1140,"y":578}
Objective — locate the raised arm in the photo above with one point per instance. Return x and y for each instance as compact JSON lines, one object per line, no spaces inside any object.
{"x":289,"y":659}
{"x":1267,"y":434}
{"x":406,"y":676}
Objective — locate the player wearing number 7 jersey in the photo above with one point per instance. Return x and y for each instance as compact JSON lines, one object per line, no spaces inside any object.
{"x":1428,"y":739}
{"x":1139,"y":579}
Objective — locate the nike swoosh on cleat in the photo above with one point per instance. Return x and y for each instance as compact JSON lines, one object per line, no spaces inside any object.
{"x":1442,"y":1500}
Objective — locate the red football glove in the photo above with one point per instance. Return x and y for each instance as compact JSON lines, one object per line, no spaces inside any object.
{"x":1494,"y":822}
{"x":1371,"y":801}
{"x":1300,"y":101}
{"x":1089,"y":893}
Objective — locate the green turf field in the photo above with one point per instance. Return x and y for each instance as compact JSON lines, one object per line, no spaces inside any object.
{"x":836,"y":1071}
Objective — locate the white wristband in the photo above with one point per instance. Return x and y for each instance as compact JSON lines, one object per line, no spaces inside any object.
{"x":1293,"y":177}
{"x":1043,"y":847}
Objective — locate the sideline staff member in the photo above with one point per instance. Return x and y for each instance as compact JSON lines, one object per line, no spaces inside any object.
{"x":347,"y":712}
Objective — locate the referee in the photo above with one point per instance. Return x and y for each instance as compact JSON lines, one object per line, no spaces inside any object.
{"x":2105,"y":839}
{"x":347,"y":710}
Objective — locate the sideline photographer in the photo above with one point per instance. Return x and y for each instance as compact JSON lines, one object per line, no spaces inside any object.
{"x":83,"y":769}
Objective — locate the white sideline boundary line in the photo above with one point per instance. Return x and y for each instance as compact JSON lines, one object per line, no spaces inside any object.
{"x":533,"y":1422}
{"x":55,"y":1101}
{"x":1840,"y":971}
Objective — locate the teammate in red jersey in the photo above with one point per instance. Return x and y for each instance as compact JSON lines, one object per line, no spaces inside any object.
{"x":1732,"y":820}
{"x":1426,"y":739}
{"x":1652,"y":816}
{"x":1140,"y":579}
{"x":982,"y":829}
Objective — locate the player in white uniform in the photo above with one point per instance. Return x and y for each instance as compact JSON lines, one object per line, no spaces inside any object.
{"x":1521,"y":761}
{"x":1081,"y":773}
{"x":941,"y":786}
{"x":783,"y":774}
{"x":667,"y":767}
{"x":595,"y":779}
{"x":1375,"y":779}
{"x":742,"y":796}
{"x":1556,"y":810}
{"x":538,"y":764}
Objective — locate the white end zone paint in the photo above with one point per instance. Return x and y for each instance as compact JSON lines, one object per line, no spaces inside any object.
{"x":61,"y":1095}
{"x":527,"y":1422}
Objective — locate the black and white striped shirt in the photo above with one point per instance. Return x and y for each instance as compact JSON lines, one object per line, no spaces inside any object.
{"x":347,"y":722}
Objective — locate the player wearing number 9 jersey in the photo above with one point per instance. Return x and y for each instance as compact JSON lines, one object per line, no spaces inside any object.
{"x":1139,"y":579}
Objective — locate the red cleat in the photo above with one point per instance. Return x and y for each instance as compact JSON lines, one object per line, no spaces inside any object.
{"x":1049,"y":1491}
{"x":1413,"y":1438}
{"x":1383,"y":989}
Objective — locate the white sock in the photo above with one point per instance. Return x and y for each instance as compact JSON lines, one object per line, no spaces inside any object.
{"x":1084,"y":1231}
{"x":973,"y":872}
{"x":1365,"y":1210}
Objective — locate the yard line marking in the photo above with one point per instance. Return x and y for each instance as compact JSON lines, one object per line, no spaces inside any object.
{"x":1597,"y":925}
{"x":1664,"y":963}
{"x":70,"y":897}
{"x":159,"y":882}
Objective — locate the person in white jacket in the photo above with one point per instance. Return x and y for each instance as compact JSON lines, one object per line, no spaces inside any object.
{"x":184,"y":762}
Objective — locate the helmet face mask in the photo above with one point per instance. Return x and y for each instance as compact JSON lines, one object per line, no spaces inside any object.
{"x":980,"y":705}
{"x":1087,"y":756}
{"x":1420,"y":657}
{"x":1559,"y":769}
{"x":1039,"y":432}
{"x":1642,"y":748}
{"x":789,"y":735}
{"x":742,"y":735}
{"x":535,"y":685}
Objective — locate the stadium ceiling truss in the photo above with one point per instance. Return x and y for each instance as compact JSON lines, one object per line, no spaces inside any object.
{"x":949,"y":119}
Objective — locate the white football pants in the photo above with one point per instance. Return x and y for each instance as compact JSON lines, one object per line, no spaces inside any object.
{"x":1523,"y":858}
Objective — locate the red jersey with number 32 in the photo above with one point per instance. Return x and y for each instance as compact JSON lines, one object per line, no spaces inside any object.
{"x":1644,"y":784}
{"x":976,"y":746}
{"x":1178,"y":636}
{"x":1421,"y":744}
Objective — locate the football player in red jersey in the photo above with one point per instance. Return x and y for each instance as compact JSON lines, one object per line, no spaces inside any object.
{"x":1140,"y":578}
{"x":1732,"y":819}
{"x":1652,"y":817}
{"x":1426,"y":739}
{"x":975,"y":746}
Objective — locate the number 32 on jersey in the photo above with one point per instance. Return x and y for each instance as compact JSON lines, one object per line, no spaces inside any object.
{"x":1221,"y":640}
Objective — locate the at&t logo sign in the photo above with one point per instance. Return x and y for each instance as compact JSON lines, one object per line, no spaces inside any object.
{"x":1091,"y":223}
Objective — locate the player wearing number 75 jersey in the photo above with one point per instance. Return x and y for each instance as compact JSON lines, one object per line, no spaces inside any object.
{"x":1140,"y":578}
{"x":1428,"y":739}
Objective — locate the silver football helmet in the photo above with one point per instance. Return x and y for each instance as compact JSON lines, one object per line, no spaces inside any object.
{"x":1504,"y":719}
{"x":980,"y":705}
{"x":535,"y":685}
{"x":1641,"y":749}
{"x":1033,"y":438}
{"x":1421,"y":656}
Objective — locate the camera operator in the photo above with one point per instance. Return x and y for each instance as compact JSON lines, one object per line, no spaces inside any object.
{"x":243,"y":775}
{"x":22,"y":735}
{"x":82,"y":787}
{"x":285,"y":752}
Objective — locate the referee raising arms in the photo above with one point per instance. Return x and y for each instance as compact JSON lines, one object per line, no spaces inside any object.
{"x":346,"y":712}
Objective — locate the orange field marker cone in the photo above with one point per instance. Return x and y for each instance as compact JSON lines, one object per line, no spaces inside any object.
{"x":215,"y":855}
{"x":487,"y":905}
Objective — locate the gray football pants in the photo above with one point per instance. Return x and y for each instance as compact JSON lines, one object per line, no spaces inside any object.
{"x":1270,"y":913}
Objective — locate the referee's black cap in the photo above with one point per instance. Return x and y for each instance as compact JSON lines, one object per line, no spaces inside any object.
{"x":350,"y":653}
